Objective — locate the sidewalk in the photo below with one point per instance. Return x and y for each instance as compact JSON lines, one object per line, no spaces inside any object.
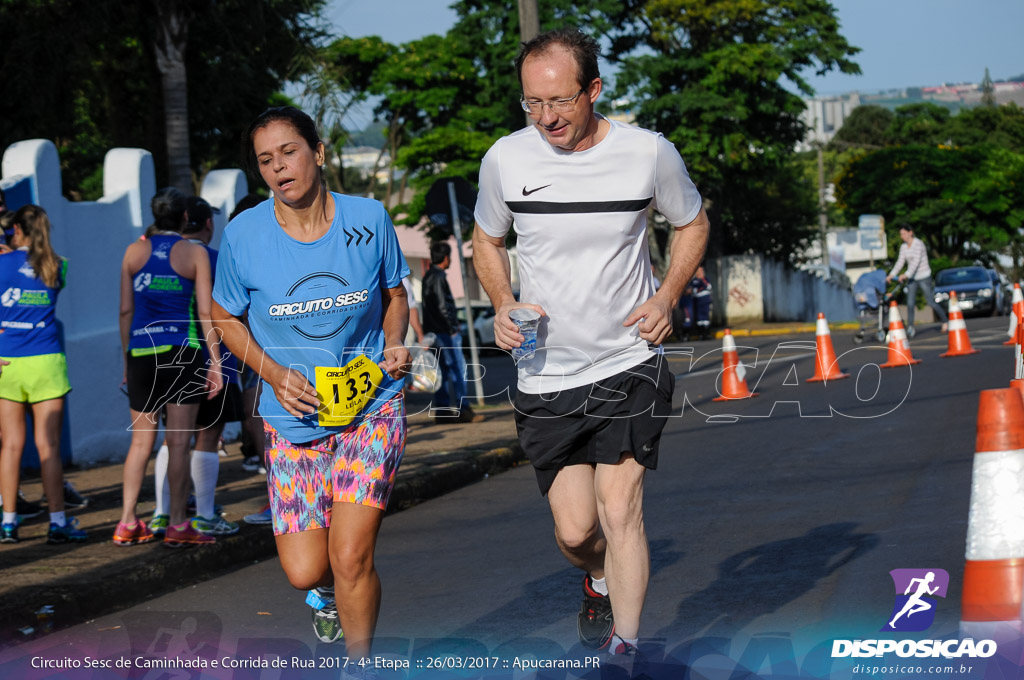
{"x":87,"y":580}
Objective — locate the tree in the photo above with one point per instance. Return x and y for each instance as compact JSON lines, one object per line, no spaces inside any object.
{"x":102,"y":88}
{"x":866,"y":127}
{"x":169,"y":44}
{"x":708,"y":75}
{"x":923,"y":123}
{"x":964,"y":202}
{"x":988,"y":90}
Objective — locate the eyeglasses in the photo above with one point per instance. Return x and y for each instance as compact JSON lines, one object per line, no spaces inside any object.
{"x":536,"y":108}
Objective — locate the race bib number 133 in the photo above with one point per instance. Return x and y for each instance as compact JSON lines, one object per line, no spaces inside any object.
{"x":345,"y":391}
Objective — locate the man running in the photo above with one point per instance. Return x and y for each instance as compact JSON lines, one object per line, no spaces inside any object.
{"x":591,"y":403}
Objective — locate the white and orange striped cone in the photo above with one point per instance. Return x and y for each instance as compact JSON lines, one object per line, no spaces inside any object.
{"x":994,"y":567}
{"x":1016,"y":314}
{"x":959,"y":342}
{"x":734,"y":384}
{"x":1018,"y":354}
{"x":899,"y":348}
{"x":826,"y":366}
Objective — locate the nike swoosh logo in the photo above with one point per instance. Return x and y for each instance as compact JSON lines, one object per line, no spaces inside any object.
{"x":527,"y":193}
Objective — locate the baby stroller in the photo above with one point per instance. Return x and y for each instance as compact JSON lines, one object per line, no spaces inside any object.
{"x":872,"y":300}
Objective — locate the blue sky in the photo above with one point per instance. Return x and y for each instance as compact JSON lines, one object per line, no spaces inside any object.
{"x":905,"y":43}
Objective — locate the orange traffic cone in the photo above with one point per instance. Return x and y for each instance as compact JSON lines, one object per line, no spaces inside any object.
{"x":899,"y":348}
{"x":826,"y":366}
{"x":734,"y":384}
{"x":1018,"y":354}
{"x":959,"y":342}
{"x":994,"y":568}
{"x":1016,"y":314}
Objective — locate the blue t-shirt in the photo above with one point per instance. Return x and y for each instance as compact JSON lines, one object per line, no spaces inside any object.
{"x":28,"y":317}
{"x":312,"y":304}
{"x":165,"y":315}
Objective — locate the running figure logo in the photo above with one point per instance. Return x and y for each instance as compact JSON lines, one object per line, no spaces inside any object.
{"x":914,"y":609}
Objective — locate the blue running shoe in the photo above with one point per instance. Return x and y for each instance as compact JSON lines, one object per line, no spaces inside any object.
{"x":69,"y":533}
{"x":9,"y":532}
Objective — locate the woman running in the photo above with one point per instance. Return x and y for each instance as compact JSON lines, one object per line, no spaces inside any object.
{"x":319,"y":275}
{"x":36,"y":380}
{"x":165,"y":286}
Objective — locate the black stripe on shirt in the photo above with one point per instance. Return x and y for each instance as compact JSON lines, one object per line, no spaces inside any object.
{"x":549,"y":208}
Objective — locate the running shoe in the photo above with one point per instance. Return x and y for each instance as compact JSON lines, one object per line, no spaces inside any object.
{"x":218,"y":509}
{"x":158,"y":525}
{"x":356,"y":670}
{"x":214,"y":526}
{"x":132,"y":535}
{"x":73,"y":499}
{"x":26,"y":509}
{"x":594,"y":624}
{"x":177,"y":537}
{"x":254,"y":464}
{"x":69,"y":533}
{"x":9,"y":532}
{"x":261,"y":517}
{"x":326,"y":624}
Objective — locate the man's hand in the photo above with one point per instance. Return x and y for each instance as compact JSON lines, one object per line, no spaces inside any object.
{"x":293,"y":391}
{"x":506,"y":332}
{"x":655,"y":318}
{"x":397,"y":361}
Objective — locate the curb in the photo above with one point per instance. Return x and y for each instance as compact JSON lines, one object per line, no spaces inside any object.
{"x":113,"y":587}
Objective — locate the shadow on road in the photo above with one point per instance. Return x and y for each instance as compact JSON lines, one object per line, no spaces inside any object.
{"x":759,"y":581}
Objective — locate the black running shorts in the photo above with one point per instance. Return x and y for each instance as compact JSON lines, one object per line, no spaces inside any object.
{"x":597,"y":423}
{"x":226,"y":407}
{"x":176,"y":376}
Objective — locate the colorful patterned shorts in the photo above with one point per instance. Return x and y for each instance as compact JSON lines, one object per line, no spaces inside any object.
{"x":357,"y":465}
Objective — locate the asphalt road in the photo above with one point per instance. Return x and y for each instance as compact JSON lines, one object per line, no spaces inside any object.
{"x":773,"y":525}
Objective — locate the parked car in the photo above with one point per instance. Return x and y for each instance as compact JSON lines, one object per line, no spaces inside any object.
{"x":1002,"y":291}
{"x":483,"y":323}
{"x":975,"y":291}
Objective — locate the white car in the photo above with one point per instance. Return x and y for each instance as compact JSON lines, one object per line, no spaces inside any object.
{"x":483,"y":323}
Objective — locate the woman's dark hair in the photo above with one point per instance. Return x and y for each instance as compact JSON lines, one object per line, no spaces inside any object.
{"x":302,"y":123}
{"x":168,"y":206}
{"x":248,"y":201}
{"x":583,"y":48}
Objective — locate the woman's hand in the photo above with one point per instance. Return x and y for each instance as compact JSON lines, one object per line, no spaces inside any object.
{"x":214,"y":380}
{"x":397,"y":361}
{"x":293,"y":391}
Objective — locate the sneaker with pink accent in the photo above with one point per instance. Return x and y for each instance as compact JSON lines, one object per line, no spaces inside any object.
{"x":133,"y":534}
{"x":185,"y":536}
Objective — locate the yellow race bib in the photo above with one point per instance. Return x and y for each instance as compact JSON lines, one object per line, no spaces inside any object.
{"x":345,"y":391}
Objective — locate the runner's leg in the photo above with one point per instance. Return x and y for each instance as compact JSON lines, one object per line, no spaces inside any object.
{"x":144,"y":428}
{"x":47,"y":418}
{"x":181,"y":422}
{"x":574,"y":509}
{"x":627,"y":563}
{"x":353,"y":538}
{"x":12,"y":422}
{"x":304,"y":558}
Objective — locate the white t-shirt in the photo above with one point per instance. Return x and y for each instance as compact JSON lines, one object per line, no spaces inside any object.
{"x":581,"y":221}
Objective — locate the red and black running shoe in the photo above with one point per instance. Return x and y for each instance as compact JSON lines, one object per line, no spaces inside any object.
{"x":594,"y":624}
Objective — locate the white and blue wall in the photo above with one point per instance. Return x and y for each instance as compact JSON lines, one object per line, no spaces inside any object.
{"x":93,"y":236}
